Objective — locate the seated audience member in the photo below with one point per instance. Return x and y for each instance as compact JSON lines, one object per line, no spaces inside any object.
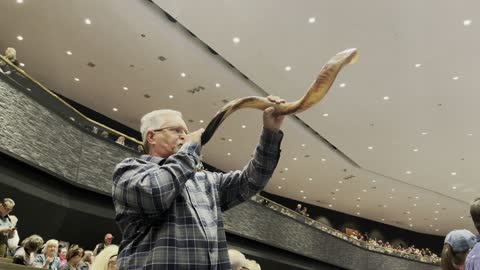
{"x":107,"y":259}
{"x":48,"y":259}
{"x":304,"y":211}
{"x":473,"y":259}
{"x":121,"y":140}
{"x":25,"y":254}
{"x":7,"y":230}
{"x":104,"y":134}
{"x":88,"y":259}
{"x":62,"y":254}
{"x":107,"y":240}
{"x":11,"y":55}
{"x":140,"y":149}
{"x":237,"y":259}
{"x":299,"y":208}
{"x":457,"y":245}
{"x":74,"y":257}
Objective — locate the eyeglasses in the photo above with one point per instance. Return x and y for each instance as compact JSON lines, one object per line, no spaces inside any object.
{"x":176,"y":130}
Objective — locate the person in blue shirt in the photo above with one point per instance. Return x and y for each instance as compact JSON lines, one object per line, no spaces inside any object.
{"x":473,"y":259}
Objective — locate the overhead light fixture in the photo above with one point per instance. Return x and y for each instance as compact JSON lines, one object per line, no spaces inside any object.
{"x":288,"y":68}
{"x":236,"y":40}
{"x":358,"y":205}
{"x":69,"y":53}
{"x":325,"y":114}
{"x":417,"y":198}
{"x":303,"y":145}
{"x":294,"y":158}
{"x":383,"y":219}
{"x":418,"y":65}
{"x":333,"y":199}
{"x":343,"y":85}
{"x":201,"y":121}
{"x":409,"y":218}
{"x":310,"y":179}
{"x":19,"y":37}
{"x":455,"y":78}
{"x":283,"y":178}
{"x":430,"y":225}
{"x":469,"y":134}
{"x":337,"y":190}
{"x":170,"y":96}
{"x":364,"y":190}
{"x":415,"y":204}
{"x":438,"y":203}
{"x":461,"y":217}
{"x":391,"y":197}
{"x":330,"y":205}
{"x":217,"y":85}
{"x":243,"y":126}
{"x":411,"y":225}
{"x":279,"y":187}
{"x":183,"y":74}
{"x":304,"y":197}
{"x":424,"y":133}
{"x":393,"y":189}
{"x":88,"y":21}
{"x":467,"y":22}
{"x":373,"y":181}
{"x":115,"y":109}
{"x":436,"y":212}
{"x":436,"y":230}
{"x":312,"y":20}
{"x":454,"y":187}
{"x":19,"y":1}
{"x":370,"y":147}
{"x":408,"y":212}
{"x":286,"y":169}
{"x":228,"y":154}
{"x":77,"y":79}
{"x":301,"y":191}
{"x":386,"y":97}
{"x":125,"y":88}
{"x":453,"y":173}
{"x":22,"y":64}
{"x":408,"y":172}
{"x":358,"y":199}
{"x":435,"y":218}
{"x":415,"y":149}
{"x":228,"y":139}
{"x":358,"y":214}
{"x":340,"y":182}
{"x":323,"y":160}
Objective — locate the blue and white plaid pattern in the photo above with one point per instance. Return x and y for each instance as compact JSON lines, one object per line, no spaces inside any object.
{"x":170,"y":215}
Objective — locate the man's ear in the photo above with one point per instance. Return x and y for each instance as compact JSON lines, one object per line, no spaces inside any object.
{"x":149,"y":136}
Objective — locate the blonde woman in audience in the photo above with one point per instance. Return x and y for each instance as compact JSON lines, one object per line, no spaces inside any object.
{"x":26,"y":253}
{"x":121,"y":140}
{"x":106,"y":259}
{"x":455,"y":249}
{"x":48,"y":259}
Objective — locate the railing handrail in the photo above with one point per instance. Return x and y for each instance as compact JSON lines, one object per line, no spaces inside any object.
{"x":19,"y":70}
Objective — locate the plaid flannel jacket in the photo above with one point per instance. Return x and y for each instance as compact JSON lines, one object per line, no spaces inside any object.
{"x":170,"y":215}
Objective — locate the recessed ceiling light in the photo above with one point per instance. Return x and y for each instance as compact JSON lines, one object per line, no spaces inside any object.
{"x":236,"y":40}
{"x":333,"y":199}
{"x":386,"y":97}
{"x":22,"y":64}
{"x":408,"y":212}
{"x":201,"y":121}
{"x":417,"y":198}
{"x":337,"y":190}
{"x":228,"y":139}
{"x":358,"y":205}
{"x":217,"y":85}
{"x":343,"y":85}
{"x":469,"y":134}
{"x":330,"y":205}
{"x":228,"y":154}
{"x":301,"y":191}
{"x":69,"y":52}
{"x":391,"y":197}
{"x":384,"y":206}
{"x":393,"y":189}
{"x":288,"y":68}
{"x":435,"y":218}
{"x":283,"y":178}
{"x":436,"y":230}
{"x":415,"y":149}
{"x":303,"y":145}
{"x":243,"y":126}
{"x":340,"y":182}
{"x":294,"y":158}
{"x":115,"y":109}
{"x":77,"y":79}
{"x":125,"y":88}
{"x":286,"y":169}
{"x":373,"y":181}
{"x":438,"y":203}
{"x":183,"y":74}
{"x":88,"y":21}
{"x":323,"y":160}
{"x":461,"y":217}
{"x":312,"y":20}
{"x":170,"y":96}
{"x":370,"y":147}
{"x":410,"y":218}
{"x":383,"y":219}
{"x":454,"y":187}
{"x":436,"y":212}
{"x":279,"y":187}
{"x":424,"y":133}
{"x":467,"y":22}
{"x":310,"y":179}
{"x":304,"y":197}
{"x":19,"y":37}
{"x":21,"y":1}
{"x":411,"y":225}
{"x":325,"y":114}
{"x":415,"y":204}
{"x":455,"y":78}
{"x":453,"y":173}
{"x":358,"y":214}
{"x":364,"y":190}
{"x":408,"y":172}
{"x":430,"y":225}
{"x":418,"y":65}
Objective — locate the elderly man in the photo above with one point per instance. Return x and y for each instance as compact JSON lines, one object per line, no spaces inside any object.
{"x":170,"y":211}
{"x":107,"y":241}
{"x":7,"y":230}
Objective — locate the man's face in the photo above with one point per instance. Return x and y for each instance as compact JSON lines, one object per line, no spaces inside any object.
{"x":5,"y":209}
{"x":108,"y":241}
{"x":168,"y":138}
{"x":51,"y":249}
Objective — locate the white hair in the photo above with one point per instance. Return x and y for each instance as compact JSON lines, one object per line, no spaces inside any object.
{"x":253,"y":265}
{"x":155,"y":120}
{"x":237,"y":259}
{"x":51,"y":242}
{"x":104,"y":257}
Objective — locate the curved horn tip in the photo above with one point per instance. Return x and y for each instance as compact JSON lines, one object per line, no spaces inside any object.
{"x":352,"y":54}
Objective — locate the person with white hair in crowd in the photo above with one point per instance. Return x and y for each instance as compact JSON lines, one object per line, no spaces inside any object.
{"x":169,"y":209}
{"x":48,"y":259}
{"x":11,"y":55}
{"x":106,"y":259}
{"x":253,"y":265}
{"x":25,"y":254}
{"x":237,"y":259}
{"x":7,"y":229}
